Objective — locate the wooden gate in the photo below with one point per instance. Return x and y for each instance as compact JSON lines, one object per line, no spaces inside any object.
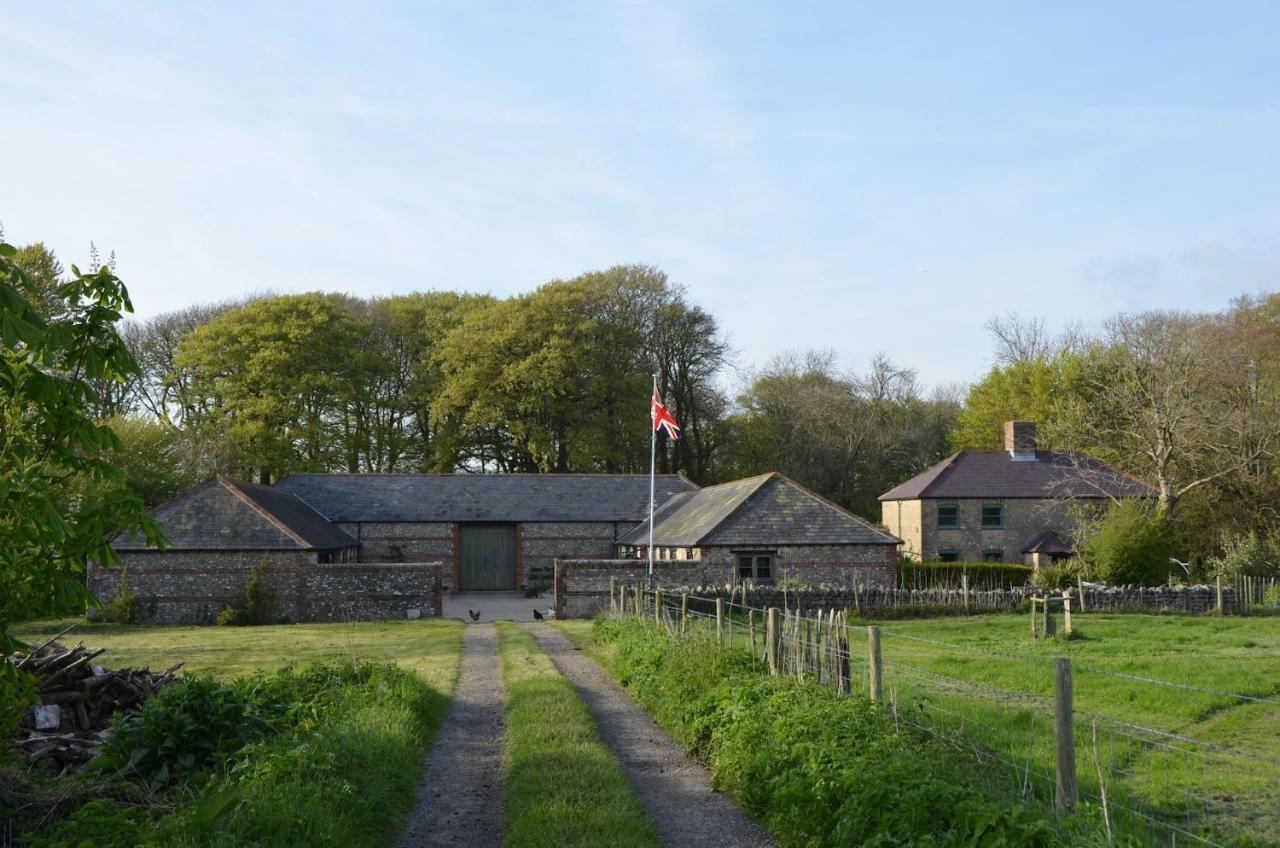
{"x":487,"y":557}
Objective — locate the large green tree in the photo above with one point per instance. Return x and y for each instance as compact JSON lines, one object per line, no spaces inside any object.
{"x":51,"y":446}
{"x":277,"y":376}
{"x":559,"y":379}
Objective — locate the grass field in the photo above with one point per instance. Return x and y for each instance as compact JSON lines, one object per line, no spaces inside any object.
{"x":563,"y":787}
{"x":983,"y":683}
{"x":1194,"y":668}
{"x":429,"y":647}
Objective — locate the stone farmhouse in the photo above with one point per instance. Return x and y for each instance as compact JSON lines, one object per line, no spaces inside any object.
{"x":365,"y":546}
{"x":1016,"y":505}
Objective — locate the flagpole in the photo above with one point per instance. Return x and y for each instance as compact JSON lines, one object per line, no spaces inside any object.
{"x":653,"y":462}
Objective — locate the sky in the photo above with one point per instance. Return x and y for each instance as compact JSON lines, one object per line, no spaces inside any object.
{"x":860,"y":177}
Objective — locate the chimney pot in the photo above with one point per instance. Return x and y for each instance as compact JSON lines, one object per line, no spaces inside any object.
{"x":1020,"y":439}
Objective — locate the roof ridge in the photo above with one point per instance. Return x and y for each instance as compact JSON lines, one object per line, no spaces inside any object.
{"x":253,"y":503}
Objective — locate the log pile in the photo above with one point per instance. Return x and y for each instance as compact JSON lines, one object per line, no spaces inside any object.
{"x":77,"y":699}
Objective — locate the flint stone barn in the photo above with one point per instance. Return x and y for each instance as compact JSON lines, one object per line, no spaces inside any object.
{"x":1015,"y":505}
{"x":765,"y":529}
{"x":352,"y":546}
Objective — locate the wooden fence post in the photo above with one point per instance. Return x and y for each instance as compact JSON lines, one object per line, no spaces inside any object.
{"x":964,"y":587}
{"x":657,"y":606}
{"x":1219,"y":581}
{"x":1064,"y":736}
{"x":1080,"y":584}
{"x":771,"y":639}
{"x":1049,"y":627}
{"x":873,"y":663}
{"x":613,"y":595}
{"x":1066,"y":612}
{"x":720,"y":621}
{"x":1033,"y":617}
{"x":684,"y":612}
{"x":639,"y":602}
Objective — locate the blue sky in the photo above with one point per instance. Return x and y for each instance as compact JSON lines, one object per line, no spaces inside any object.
{"x":865,"y":178}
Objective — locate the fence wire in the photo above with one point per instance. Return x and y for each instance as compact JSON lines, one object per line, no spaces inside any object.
{"x":1148,"y":783}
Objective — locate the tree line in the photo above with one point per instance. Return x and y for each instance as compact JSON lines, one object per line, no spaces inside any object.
{"x":558,"y":380}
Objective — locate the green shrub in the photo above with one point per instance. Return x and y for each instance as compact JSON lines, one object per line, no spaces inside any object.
{"x":1130,"y":544}
{"x":256,"y":604}
{"x":1247,"y":555}
{"x":123,"y":607}
{"x":191,"y":725}
{"x":326,"y":755}
{"x":1062,"y":575}
{"x":816,"y":768}
{"x":343,"y":776}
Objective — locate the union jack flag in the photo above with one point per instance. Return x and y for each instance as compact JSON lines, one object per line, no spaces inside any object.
{"x":663,"y":420}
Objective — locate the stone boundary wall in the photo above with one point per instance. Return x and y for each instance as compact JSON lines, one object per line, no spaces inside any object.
{"x":189,"y":587}
{"x":581,"y":586}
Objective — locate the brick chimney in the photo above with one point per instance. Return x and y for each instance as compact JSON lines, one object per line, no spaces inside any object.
{"x":1020,"y":440}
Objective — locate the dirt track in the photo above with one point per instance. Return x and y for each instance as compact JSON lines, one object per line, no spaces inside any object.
{"x":460,"y":796}
{"x":676,"y":789}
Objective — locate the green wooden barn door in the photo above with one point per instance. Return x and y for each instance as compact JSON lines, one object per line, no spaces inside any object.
{"x":488,"y":557}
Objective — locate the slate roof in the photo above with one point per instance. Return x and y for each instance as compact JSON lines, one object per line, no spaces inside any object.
{"x":1048,"y":542}
{"x":767,"y":510}
{"x":482,"y":497}
{"x":995,"y":474}
{"x":221,"y":514}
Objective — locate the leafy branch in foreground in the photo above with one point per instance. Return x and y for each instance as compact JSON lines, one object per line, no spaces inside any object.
{"x":52,"y":469}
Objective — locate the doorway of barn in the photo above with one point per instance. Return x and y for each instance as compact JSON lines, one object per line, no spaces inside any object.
{"x":487,"y":557}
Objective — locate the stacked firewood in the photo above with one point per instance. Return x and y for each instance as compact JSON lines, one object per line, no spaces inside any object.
{"x":77,"y":699}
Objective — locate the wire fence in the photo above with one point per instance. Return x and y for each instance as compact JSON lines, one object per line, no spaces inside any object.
{"x":1040,"y":726}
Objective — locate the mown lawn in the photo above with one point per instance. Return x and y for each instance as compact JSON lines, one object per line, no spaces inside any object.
{"x":429,"y":647}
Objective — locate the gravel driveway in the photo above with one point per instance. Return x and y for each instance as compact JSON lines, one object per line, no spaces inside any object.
{"x":460,"y":796}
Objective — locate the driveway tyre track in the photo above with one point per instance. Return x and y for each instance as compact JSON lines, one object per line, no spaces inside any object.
{"x":460,"y":795}
{"x":676,"y":789}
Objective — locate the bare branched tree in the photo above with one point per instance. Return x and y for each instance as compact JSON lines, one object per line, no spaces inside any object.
{"x":1170,"y":396}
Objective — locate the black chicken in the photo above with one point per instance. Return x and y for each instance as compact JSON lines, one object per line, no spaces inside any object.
{"x":537,"y":615}
{"x":475,"y":614}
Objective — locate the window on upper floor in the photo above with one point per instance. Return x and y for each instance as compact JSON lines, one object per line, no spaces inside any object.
{"x":948,"y":515}
{"x":992,"y":516}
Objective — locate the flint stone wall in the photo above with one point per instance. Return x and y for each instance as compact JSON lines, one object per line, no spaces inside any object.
{"x":192,"y":587}
{"x":581,"y":586}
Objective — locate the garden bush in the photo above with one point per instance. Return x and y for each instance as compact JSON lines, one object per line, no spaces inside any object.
{"x":1062,"y":575}
{"x":1247,"y":555}
{"x":816,"y":768}
{"x":123,"y":606}
{"x":324,"y":755}
{"x":256,"y":604}
{"x":1130,"y":544}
